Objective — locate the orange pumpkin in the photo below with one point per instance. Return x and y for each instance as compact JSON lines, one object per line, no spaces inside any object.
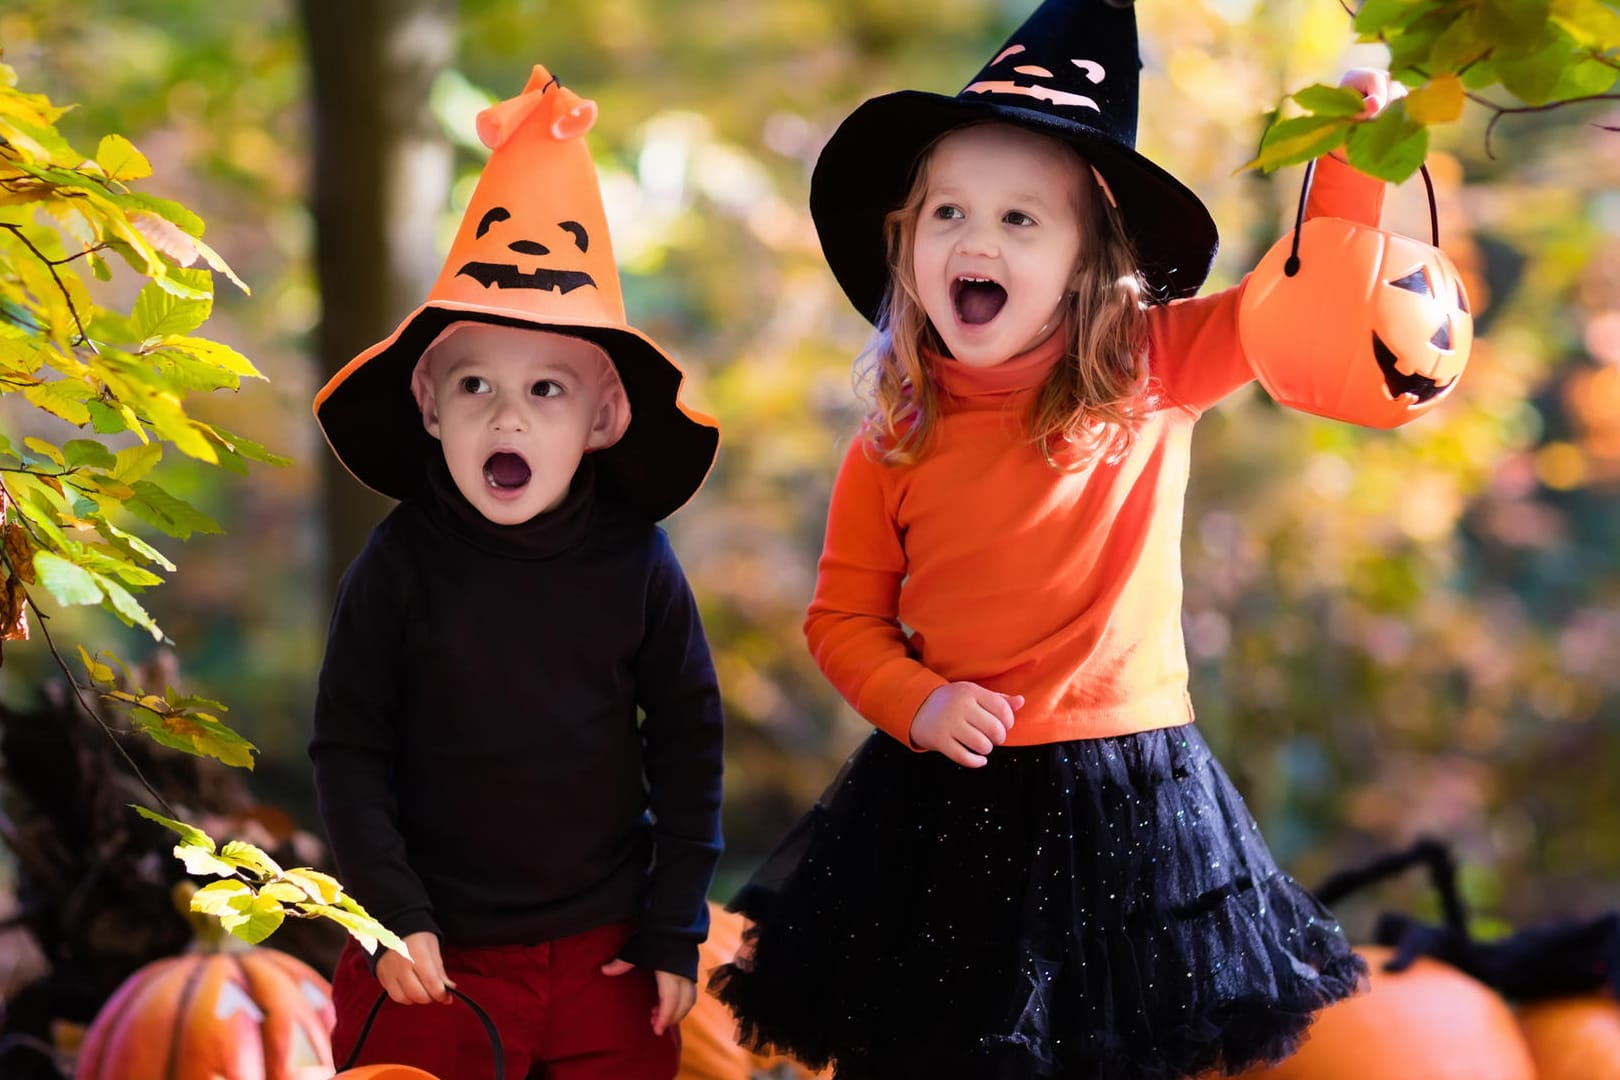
{"x":1357,"y":324}
{"x":709,"y":1049}
{"x":385,"y":1072}
{"x":1429,"y":1021}
{"x":1574,"y":1038}
{"x":235,"y":1014}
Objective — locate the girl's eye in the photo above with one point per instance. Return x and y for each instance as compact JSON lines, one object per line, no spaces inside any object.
{"x":546,"y":388}
{"x":474,"y":384}
{"x":947,"y":212}
{"x":1017,"y":217}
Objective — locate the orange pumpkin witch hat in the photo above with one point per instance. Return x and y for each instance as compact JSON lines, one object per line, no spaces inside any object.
{"x":532,"y":250}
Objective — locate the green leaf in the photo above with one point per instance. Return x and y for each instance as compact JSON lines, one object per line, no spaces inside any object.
{"x":213,"y":352}
{"x":190,"y":835}
{"x":1300,"y":139}
{"x":1585,"y":79}
{"x":1457,"y":45}
{"x":255,"y":919}
{"x":1534,"y":77}
{"x":214,"y":259}
{"x":105,"y":420}
{"x":187,"y":221}
{"x":220,"y":898}
{"x":202,"y":863}
{"x":174,"y":516}
{"x":319,"y":887}
{"x":1324,"y":100}
{"x":82,"y":452}
{"x":128,"y":608}
{"x":68,"y":582}
{"x":245,"y":447}
{"x":367,"y":932}
{"x":122,"y":161}
{"x":196,"y":734}
{"x":1375,"y":17}
{"x":158,"y":312}
{"x":250,"y":858}
{"x":1390,"y":146}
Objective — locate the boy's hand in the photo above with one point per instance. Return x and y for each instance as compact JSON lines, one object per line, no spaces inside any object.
{"x":1376,"y":86}
{"x":676,"y":995}
{"x":420,"y":979}
{"x":964,"y":721}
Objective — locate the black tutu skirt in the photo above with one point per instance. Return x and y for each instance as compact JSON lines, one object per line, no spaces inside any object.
{"x":1102,"y":909}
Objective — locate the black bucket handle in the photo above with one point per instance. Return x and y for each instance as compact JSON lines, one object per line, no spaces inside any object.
{"x":483,"y":1017}
{"x":1291,"y":267}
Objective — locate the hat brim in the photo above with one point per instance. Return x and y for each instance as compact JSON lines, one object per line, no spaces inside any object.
{"x":373,"y":425}
{"x":866,"y":168}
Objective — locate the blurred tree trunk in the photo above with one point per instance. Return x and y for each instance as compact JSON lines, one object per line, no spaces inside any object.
{"x":381,"y":179}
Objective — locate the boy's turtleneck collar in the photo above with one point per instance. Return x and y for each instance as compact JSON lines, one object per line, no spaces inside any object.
{"x":1026,"y":371}
{"x":542,"y":536}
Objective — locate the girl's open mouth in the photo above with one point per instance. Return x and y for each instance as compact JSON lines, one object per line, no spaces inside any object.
{"x":977,"y":299}
{"x":505,"y":471}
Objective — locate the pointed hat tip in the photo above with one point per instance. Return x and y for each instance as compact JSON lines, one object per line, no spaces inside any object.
{"x":569,"y":114}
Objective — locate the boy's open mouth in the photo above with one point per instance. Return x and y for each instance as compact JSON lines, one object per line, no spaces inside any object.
{"x":505,"y":471}
{"x":977,"y":299}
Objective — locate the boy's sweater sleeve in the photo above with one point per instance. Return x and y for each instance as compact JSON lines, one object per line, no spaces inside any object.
{"x":354,"y":744}
{"x":853,"y":626}
{"x":1195,"y":353}
{"x":682,"y":732}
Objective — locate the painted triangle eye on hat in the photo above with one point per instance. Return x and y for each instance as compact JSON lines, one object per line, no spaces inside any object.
{"x":1070,"y":71}
{"x":532,"y":251}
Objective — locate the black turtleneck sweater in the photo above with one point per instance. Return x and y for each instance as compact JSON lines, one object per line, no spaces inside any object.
{"x":480,"y":764}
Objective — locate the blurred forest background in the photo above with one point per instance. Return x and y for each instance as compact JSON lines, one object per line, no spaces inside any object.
{"x":1391,"y":632}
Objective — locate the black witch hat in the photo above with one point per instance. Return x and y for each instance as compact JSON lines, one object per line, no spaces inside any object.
{"x":1070,"y":71}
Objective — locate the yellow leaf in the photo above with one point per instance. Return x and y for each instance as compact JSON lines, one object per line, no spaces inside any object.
{"x":122,"y":161}
{"x":1439,"y":101}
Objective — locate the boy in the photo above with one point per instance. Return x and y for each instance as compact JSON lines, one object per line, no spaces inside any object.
{"x":481,"y":771}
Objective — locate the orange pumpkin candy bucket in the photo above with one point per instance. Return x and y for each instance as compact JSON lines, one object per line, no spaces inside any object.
{"x":1356,"y":323}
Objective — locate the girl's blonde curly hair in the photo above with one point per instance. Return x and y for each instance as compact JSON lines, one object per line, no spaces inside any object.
{"x":1094,"y":397}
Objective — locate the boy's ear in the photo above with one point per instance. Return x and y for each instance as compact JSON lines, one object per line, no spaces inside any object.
{"x":422,"y":391}
{"x":612,"y":417}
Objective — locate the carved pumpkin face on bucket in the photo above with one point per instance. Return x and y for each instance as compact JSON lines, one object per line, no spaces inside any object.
{"x":1374,"y":328}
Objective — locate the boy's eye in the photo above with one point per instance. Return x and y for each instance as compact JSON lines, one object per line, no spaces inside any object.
{"x":546,"y":388}
{"x":474,"y":384}
{"x":1017,"y":217}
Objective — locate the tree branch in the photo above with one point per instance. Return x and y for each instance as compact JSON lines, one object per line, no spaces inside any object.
{"x":84,"y":338}
{"x":78,"y":695}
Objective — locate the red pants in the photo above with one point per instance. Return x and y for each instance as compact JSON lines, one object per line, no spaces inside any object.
{"x":558,"y":1016}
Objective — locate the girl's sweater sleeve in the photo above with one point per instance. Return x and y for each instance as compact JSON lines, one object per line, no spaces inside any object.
{"x":355,"y":739}
{"x":853,"y":626}
{"x":1195,"y":353}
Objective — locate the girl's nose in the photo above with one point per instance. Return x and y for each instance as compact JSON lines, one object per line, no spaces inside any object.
{"x":977,"y":239}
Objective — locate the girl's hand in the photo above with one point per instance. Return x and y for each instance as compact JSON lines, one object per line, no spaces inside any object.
{"x":964,"y":721}
{"x":420,"y":979}
{"x":1376,"y":86}
{"x":676,"y":995}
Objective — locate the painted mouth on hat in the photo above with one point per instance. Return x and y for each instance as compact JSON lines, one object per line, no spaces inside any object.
{"x":977,"y":299}
{"x":507,"y":276}
{"x":506,"y":471}
{"x":1041,"y":93}
{"x":1397,"y":382}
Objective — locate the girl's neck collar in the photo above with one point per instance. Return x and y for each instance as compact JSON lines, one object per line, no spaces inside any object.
{"x":1026,"y":371}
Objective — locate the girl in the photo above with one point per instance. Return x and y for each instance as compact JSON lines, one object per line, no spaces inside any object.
{"x":1034,"y":868}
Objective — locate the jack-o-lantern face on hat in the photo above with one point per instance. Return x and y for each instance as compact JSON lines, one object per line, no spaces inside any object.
{"x":535,"y":235}
{"x":509,"y":275}
{"x":1016,"y":63}
{"x":1372,"y":328}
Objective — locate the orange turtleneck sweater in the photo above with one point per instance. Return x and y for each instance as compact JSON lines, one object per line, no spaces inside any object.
{"x":1062,"y":587}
